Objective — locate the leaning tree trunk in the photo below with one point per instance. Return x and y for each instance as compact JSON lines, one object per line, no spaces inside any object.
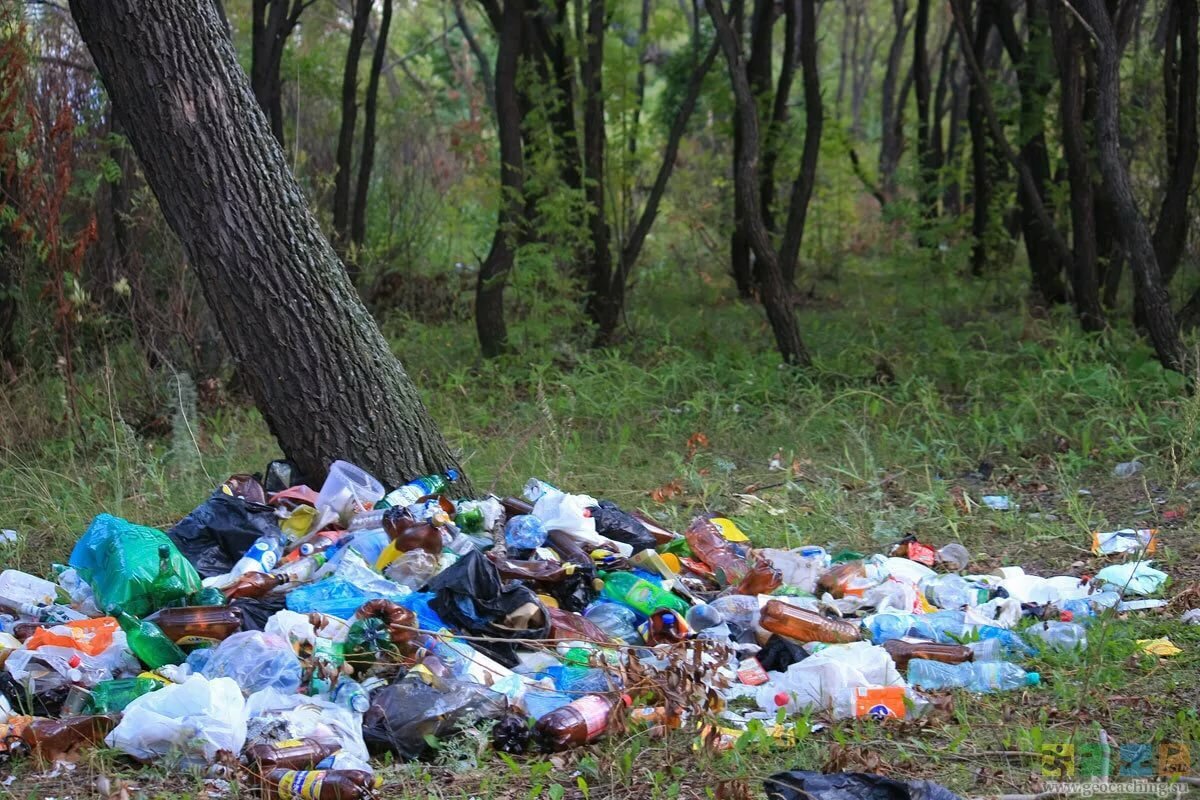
{"x":1131,"y":225}
{"x":320,"y":371}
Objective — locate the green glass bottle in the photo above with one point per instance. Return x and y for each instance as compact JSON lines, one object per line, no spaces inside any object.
{"x":109,"y":697}
{"x":147,"y":641}
{"x":168,"y":586}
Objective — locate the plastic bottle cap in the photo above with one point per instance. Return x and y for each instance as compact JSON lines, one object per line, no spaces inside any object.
{"x":668,"y":619}
{"x":452,"y":475}
{"x":1067,"y":616}
{"x":781,"y":698}
{"x":75,"y":661}
{"x":1032,"y":679}
{"x":627,"y":700}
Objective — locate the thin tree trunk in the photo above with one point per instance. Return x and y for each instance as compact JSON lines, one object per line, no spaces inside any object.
{"x":345,"y":145}
{"x":739,"y":245}
{"x":981,"y":173}
{"x":606,"y":297}
{"x":1170,"y":232}
{"x":321,"y":373}
{"x":485,"y":69}
{"x":366,"y":159}
{"x":926,"y":173}
{"x":775,"y":294}
{"x":891,"y":144}
{"x":814,"y":121}
{"x":494,"y":272}
{"x":777,"y":121}
{"x":643,"y":32}
{"x":1132,"y":227}
{"x":272,"y":22}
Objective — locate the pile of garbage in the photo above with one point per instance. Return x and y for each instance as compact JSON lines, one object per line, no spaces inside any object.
{"x":289,"y":634}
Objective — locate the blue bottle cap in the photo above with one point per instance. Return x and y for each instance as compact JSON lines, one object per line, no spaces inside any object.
{"x":668,"y":619}
{"x":1032,"y":679}
{"x":452,"y":474}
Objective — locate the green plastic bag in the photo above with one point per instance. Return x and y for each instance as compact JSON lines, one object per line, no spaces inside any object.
{"x":132,"y":567}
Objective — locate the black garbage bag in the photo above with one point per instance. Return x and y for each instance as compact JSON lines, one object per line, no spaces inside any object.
{"x":256,"y":611}
{"x":220,"y":530}
{"x":470,"y":597}
{"x":403,"y":714}
{"x":613,"y":523}
{"x":32,"y":703}
{"x":779,"y":653}
{"x":802,"y":784}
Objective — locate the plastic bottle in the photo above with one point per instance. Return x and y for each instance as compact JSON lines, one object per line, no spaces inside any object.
{"x":535,"y":489}
{"x":640,"y":595}
{"x":291,"y":754}
{"x":980,"y":677}
{"x":739,"y":610}
{"x":21,"y":587}
{"x":408,"y":533}
{"x":884,"y":627}
{"x":412,"y":569}
{"x":51,"y":614}
{"x":664,"y":627}
{"x":301,"y":571}
{"x":711,"y":547}
{"x":110,"y":697}
{"x":703,"y":616}
{"x":50,"y":739}
{"x":580,"y":722}
{"x":800,"y":567}
{"x":147,"y":641}
{"x":262,"y":556}
{"x":616,"y":620}
{"x":850,"y":579}
{"x":989,"y":650}
{"x":417,"y":488}
{"x":317,"y":543}
{"x":478,"y":516}
{"x":903,"y":652}
{"x":524,"y":532}
{"x":806,"y":626}
{"x":1059,"y":635}
{"x":197,"y":626}
{"x":577,"y":680}
{"x":254,"y":585}
{"x":544,"y":573}
{"x":762,"y":578}
{"x":321,"y":784}
{"x":952,"y":591}
{"x":351,"y":695}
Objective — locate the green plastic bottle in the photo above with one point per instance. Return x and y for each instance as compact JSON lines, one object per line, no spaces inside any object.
{"x":147,"y":641}
{"x":641,"y":595}
{"x":109,"y":697}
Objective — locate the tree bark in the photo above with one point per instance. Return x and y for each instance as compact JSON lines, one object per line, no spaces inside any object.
{"x":272,"y":22}
{"x":494,"y":272}
{"x":981,"y":173}
{"x":640,"y":90}
{"x":1131,"y":225}
{"x":774,"y":292}
{"x":606,"y":297}
{"x":926,"y":170}
{"x":320,"y":372}
{"x":777,"y":121}
{"x":1180,"y":77}
{"x":485,"y":69}
{"x":891,"y":145}
{"x":814,"y":121}
{"x":345,"y":145}
{"x":366,"y":159}
{"x":739,"y":246}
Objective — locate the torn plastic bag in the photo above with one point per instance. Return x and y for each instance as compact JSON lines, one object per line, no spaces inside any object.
{"x":312,"y":718}
{"x":805,"y":785}
{"x":470,"y":597}
{"x":615,"y":524}
{"x":402,"y":715}
{"x":254,"y":660}
{"x":220,"y":530}
{"x":195,"y":719}
{"x":256,"y":612}
{"x":122,"y":562}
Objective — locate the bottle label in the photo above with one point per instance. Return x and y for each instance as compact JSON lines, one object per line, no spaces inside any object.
{"x":301,"y":784}
{"x":594,"y":710}
{"x":196,"y":641}
{"x":879,"y":701}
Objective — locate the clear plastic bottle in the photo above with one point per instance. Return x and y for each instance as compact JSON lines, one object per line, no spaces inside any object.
{"x":417,"y":488}
{"x":953,"y":591}
{"x":616,"y":620}
{"x":262,"y":556}
{"x":1059,"y":635}
{"x":885,"y":627}
{"x":980,"y":677}
{"x":524,"y":532}
{"x":739,"y":610}
{"x":703,"y":616}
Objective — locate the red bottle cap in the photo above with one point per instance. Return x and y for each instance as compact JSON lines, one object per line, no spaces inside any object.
{"x":74,"y":661}
{"x":1067,"y":616}
{"x":627,"y":700}
{"x":781,"y":698}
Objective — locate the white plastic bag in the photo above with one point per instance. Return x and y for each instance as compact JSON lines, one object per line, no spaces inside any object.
{"x":314,"y":718}
{"x":1134,"y":577}
{"x":193,"y":720}
{"x":569,"y":513}
{"x":822,"y":679}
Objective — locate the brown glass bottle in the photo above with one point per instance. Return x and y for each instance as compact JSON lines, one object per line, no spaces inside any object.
{"x":408,"y":533}
{"x":707,"y":544}
{"x":323,"y":784}
{"x":665,"y":627}
{"x":761,"y":579}
{"x":568,"y":549}
{"x":515,"y":506}
{"x":806,"y":626}
{"x":292,"y":754}
{"x":254,"y":585}
{"x":52,"y":739}
{"x":580,"y":722}
{"x":198,"y":626}
{"x":902,"y":652}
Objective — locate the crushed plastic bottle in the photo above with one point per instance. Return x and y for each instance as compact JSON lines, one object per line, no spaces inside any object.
{"x":616,"y":620}
{"x":1059,"y":635}
{"x":524,"y":532}
{"x":979,"y":677}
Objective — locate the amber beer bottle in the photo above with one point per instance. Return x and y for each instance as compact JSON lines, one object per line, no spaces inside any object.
{"x":254,"y":585}
{"x":515,"y":506}
{"x":198,"y":626}
{"x":317,"y":784}
{"x":51,"y":739}
{"x":580,"y":722}
{"x":665,"y":627}
{"x":806,"y":626}
{"x":291,"y":754}
{"x":902,"y":652}
{"x":408,"y":533}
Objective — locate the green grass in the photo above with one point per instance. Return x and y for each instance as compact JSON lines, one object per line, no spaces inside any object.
{"x":978,"y":378}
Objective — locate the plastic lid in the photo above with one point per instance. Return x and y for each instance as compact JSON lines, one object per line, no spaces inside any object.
{"x":452,"y":474}
{"x":668,"y":619}
{"x":74,"y":661}
{"x":1067,"y":616}
{"x":1032,"y":679}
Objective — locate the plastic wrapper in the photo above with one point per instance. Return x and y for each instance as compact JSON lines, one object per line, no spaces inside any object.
{"x":805,"y":785}
{"x":194,"y":720}
{"x":254,"y":660}
{"x":1134,"y":577}
{"x":402,"y":715}
{"x":220,"y":530}
{"x":121,"y":562}
{"x":470,"y":597}
{"x":613,"y":523}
